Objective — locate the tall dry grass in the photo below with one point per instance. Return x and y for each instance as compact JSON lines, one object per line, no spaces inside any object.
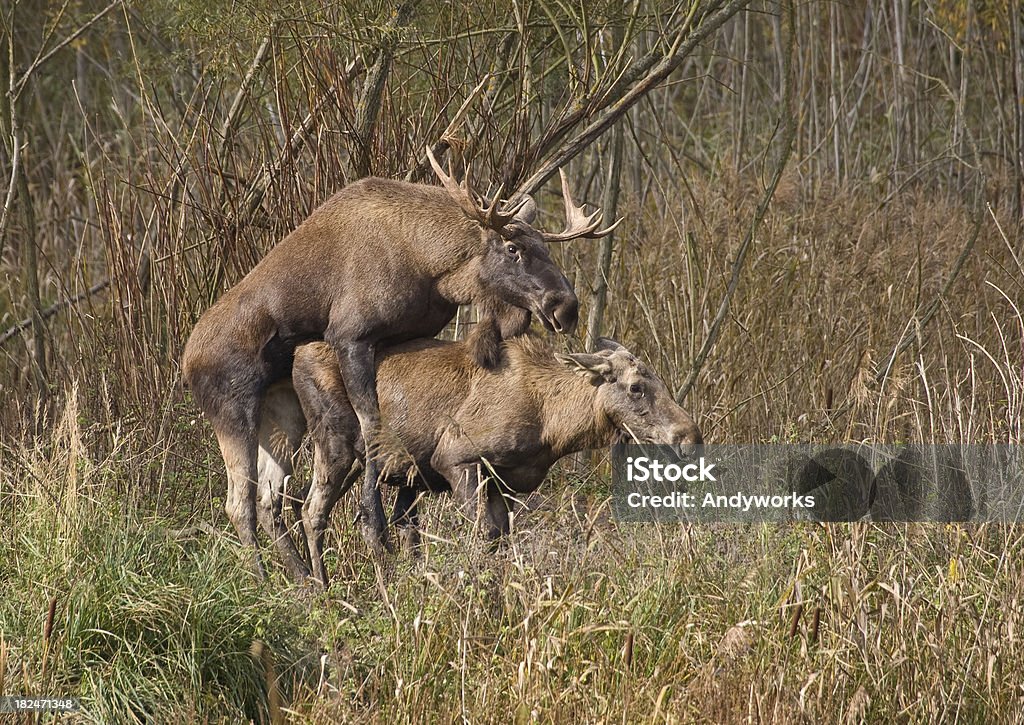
{"x":111,"y":486}
{"x":577,"y":618}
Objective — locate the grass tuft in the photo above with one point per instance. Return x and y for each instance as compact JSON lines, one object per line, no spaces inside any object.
{"x":149,"y":623}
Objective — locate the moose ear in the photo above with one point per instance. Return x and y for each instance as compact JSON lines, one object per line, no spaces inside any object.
{"x":528,"y":213}
{"x":593,"y":367}
{"x":606,"y":344}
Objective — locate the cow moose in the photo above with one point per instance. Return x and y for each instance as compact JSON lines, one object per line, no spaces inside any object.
{"x":380,"y":262}
{"x":520,"y":417}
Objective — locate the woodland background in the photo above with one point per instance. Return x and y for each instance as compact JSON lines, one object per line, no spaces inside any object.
{"x":822,"y":241}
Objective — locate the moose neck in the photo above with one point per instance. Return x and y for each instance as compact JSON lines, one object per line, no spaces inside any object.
{"x":461,"y":284}
{"x":447,"y":246}
{"x":571,"y":419}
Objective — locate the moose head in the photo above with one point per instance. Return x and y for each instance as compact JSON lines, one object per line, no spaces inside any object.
{"x":516,"y":266}
{"x":633,"y":397}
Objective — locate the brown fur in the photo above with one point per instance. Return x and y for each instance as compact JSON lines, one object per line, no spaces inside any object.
{"x":380,"y":262}
{"x":498,"y":322}
{"x":449,"y":414}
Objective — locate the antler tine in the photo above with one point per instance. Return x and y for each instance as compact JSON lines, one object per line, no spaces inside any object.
{"x":467,"y":187}
{"x":473,"y":206}
{"x":570,"y":205}
{"x":497,"y":219}
{"x":578,"y":224}
{"x":606,"y":231}
{"x":460,"y":193}
{"x":490,"y":212}
{"x":445,"y":178}
{"x":514,"y":208}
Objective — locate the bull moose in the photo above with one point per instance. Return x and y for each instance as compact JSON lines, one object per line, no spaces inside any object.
{"x":532,"y":408}
{"x":380,"y":262}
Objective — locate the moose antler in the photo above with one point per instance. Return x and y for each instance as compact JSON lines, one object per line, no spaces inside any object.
{"x":472,"y":205}
{"x":577,"y":222}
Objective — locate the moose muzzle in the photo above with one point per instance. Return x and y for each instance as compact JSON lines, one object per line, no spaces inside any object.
{"x":687,"y":438}
{"x":559,"y":311}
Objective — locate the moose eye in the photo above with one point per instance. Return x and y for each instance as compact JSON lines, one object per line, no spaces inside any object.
{"x":636,"y":389}
{"x":512,"y":249}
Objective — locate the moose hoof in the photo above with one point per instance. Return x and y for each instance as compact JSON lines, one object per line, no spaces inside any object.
{"x":300,"y":573}
{"x":376,"y":540}
{"x":371,"y":522}
{"x":409,"y":541}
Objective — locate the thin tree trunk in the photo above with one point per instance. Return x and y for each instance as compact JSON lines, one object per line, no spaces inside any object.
{"x":32,"y":273}
{"x":8,"y":125}
{"x":741,"y":120}
{"x":1018,"y":112}
{"x":899,"y":90}
{"x":787,"y":123}
{"x":609,"y":206}
{"x":835,"y":88}
{"x":372,"y":95}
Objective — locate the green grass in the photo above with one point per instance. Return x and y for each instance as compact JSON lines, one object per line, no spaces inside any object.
{"x":151,"y":623}
{"x":575,"y":619}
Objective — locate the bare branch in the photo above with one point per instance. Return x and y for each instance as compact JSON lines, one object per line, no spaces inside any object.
{"x":227,"y":130}
{"x":19,"y":86}
{"x":421,"y":166}
{"x":368,"y":107}
{"x":258,"y":188}
{"x":52,"y":310}
{"x":5,"y":213}
{"x":685,"y":43}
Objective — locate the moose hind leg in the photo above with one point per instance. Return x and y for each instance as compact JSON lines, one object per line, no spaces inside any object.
{"x":274,"y":470}
{"x":335,"y":469}
{"x":239,"y":451}
{"x":316,"y":512}
{"x":282,"y":426}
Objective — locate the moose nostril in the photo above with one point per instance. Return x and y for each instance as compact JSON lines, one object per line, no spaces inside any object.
{"x":689,"y":440}
{"x":565,"y":314}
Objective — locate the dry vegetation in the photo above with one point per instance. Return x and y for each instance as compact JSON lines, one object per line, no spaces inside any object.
{"x":167,"y":146}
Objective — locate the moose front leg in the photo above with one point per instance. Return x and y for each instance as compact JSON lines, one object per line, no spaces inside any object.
{"x":506,"y":491}
{"x":449,"y":460}
{"x":497,"y":511}
{"x":498,"y":321}
{"x":470,"y":492}
{"x":481,"y":499}
{"x":358,"y":370}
